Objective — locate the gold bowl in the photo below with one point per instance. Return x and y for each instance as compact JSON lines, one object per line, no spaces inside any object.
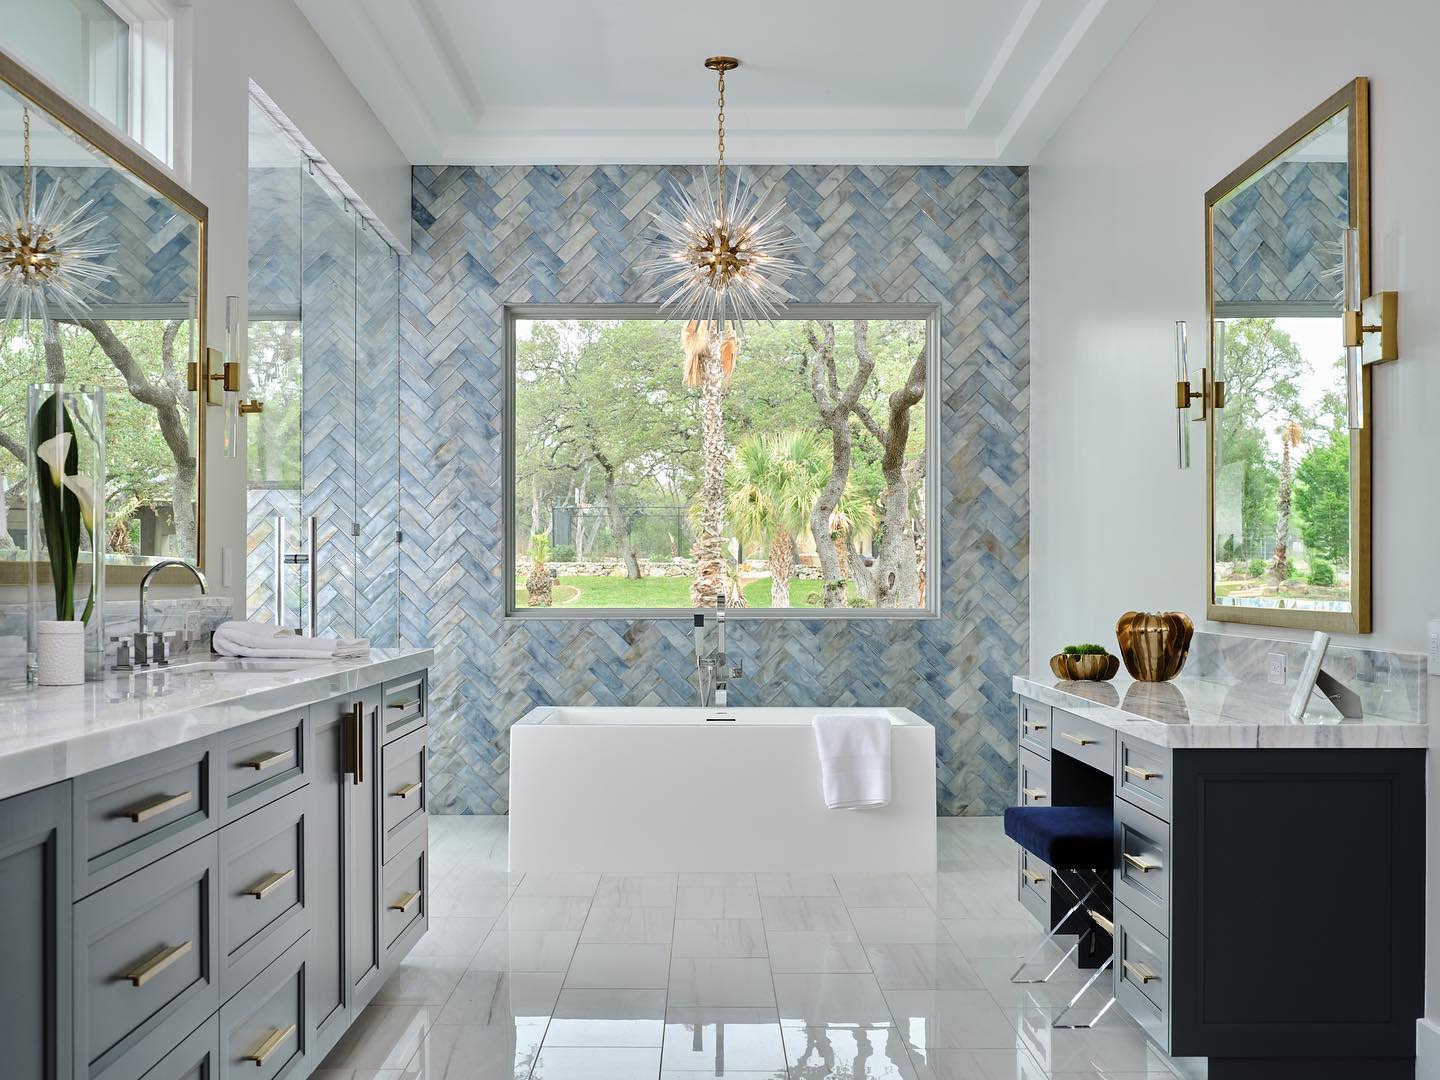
{"x":1095,"y":667}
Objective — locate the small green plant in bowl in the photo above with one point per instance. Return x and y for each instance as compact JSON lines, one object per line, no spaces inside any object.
{"x":1076,"y":662}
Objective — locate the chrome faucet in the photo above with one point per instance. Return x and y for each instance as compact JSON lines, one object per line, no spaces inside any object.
{"x":713,"y":669}
{"x":139,"y":652}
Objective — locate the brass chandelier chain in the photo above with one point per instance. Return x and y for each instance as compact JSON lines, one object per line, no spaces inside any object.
{"x":720,"y":128}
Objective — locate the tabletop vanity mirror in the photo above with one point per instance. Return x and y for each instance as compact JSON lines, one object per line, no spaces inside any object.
{"x":136,"y":334}
{"x":1287,"y":406}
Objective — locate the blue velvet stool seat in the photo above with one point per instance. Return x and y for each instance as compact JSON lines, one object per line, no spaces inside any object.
{"x":1064,"y":837}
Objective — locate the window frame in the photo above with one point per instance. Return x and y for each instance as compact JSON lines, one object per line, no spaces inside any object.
{"x":928,"y":313}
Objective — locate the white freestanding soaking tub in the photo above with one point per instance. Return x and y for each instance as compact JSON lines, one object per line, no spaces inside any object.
{"x":671,"y":789}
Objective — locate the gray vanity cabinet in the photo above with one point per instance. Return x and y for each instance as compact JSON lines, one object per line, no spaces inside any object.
{"x":35,"y":939}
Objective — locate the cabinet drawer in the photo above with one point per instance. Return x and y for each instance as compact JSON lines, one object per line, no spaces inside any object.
{"x":262,"y":889}
{"x":1142,"y":974}
{"x":146,"y":962}
{"x":1084,"y":740}
{"x":404,"y":903}
{"x":405,"y":707}
{"x":1142,"y":776}
{"x":1032,"y":722}
{"x":403,"y":768}
{"x":262,"y":1028}
{"x":264,"y":761}
{"x":197,"y":1058}
{"x":132,"y":814}
{"x":1035,"y":886}
{"x":1033,"y":773}
{"x":1142,"y":872}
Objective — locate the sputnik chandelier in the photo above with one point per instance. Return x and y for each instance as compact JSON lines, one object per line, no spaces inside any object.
{"x":45,"y":258}
{"x":720,"y":255}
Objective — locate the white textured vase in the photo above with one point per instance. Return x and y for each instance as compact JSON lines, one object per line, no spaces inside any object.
{"x":60,"y":653}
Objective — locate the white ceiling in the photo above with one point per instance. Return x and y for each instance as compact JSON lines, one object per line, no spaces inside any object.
{"x":621,"y":81}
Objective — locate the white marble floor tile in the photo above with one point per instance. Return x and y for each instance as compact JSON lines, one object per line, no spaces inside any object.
{"x":951,"y":1019}
{"x":366,"y":1074}
{"x":619,"y":967}
{"x":717,"y":902}
{"x":544,"y":913}
{"x":1117,"y":1045}
{"x":422,"y":980}
{"x":709,"y":1074}
{"x":636,"y":890}
{"x":721,"y":880}
{"x":721,"y":982}
{"x":558,"y":885}
{"x":900,"y":925}
{"x":463,"y":1052}
{"x":816,"y":952}
{"x":629,"y":926}
{"x":826,"y":999}
{"x":972,"y":894}
{"x":724,"y":1041}
{"x":796,"y":885}
{"x":598,"y":1063}
{"x":846,"y":1052}
{"x":382,"y":1037}
{"x":608,"y":1018}
{"x":982,"y":938}
{"x":453,"y":935}
{"x":455,"y":898}
{"x":805,"y":913}
{"x":928,"y":966}
{"x":719,"y":937}
{"x":1110,"y":1074}
{"x":1009,"y":1064}
{"x":496,"y":999}
{"x":879,"y":890}
{"x":525,"y":950}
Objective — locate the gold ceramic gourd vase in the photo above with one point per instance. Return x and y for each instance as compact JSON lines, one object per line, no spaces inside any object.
{"x":1094,"y":667}
{"x":1154,"y":645}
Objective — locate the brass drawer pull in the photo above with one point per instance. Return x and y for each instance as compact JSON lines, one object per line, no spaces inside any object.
{"x":404,"y":703}
{"x":1141,"y":972}
{"x":154,"y":806}
{"x":1141,"y":774}
{"x":405,"y":902}
{"x":1033,"y":792}
{"x":271,"y":1042}
{"x":265,"y":886}
{"x":1030,"y":725}
{"x":406,"y":791}
{"x":1101,"y":921}
{"x":1078,"y":740}
{"x":1035,"y":877}
{"x":267,"y":761}
{"x":155,"y":963}
{"x":1143,"y":865}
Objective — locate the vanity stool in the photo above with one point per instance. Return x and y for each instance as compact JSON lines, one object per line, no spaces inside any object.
{"x":1078,"y":844}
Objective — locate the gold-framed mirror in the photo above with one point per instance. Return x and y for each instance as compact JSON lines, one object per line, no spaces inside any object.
{"x":1287,"y":422}
{"x":136,"y":336}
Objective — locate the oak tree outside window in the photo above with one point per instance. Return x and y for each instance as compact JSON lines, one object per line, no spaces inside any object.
{"x":653,"y":465}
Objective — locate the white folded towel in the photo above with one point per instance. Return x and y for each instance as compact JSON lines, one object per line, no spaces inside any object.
{"x":237,"y":638}
{"x":854,"y":760}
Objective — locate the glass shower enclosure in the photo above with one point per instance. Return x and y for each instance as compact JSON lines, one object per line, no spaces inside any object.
{"x":322,"y":551}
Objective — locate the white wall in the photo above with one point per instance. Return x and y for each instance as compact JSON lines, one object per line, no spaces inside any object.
{"x":1117,"y":254}
{"x":270,"y":42}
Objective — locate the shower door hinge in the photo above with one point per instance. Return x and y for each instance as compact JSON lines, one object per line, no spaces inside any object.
{"x":399,"y":536}
{"x":354,"y":528}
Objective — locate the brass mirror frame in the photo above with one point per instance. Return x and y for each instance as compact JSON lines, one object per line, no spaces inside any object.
{"x":80,"y":123}
{"x":1354,"y":96}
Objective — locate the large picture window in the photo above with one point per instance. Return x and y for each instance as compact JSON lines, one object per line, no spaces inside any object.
{"x":655,"y":465}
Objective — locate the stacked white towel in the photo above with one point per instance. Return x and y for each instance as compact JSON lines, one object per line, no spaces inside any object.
{"x":237,"y":638}
{"x":854,"y":760}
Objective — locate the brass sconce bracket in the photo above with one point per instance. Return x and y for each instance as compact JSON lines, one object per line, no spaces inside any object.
{"x":1211,"y":395}
{"x":254,"y":405}
{"x":1375,"y":328}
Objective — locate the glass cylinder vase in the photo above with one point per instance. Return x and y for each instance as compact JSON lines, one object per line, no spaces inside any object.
{"x":65,"y":532}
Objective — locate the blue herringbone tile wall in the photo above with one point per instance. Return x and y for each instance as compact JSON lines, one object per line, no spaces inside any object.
{"x":487,"y":237}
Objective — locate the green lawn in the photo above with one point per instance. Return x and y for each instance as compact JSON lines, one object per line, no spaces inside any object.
{"x":619,"y":592}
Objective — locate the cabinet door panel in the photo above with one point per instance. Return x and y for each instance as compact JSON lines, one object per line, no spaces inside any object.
{"x":328,"y":987}
{"x":35,"y":896}
{"x":362,"y":783}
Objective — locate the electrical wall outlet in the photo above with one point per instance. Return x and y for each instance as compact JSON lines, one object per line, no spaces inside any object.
{"x":1275,"y":668}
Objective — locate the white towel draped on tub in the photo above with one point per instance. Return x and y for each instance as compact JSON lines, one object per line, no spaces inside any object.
{"x":854,"y":760}
{"x":267,"y":640}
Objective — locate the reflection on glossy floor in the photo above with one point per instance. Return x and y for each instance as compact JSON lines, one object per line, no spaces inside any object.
{"x":747,"y":976}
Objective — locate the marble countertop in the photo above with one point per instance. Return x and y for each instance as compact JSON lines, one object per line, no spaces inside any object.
{"x":52,"y":733}
{"x":1213,"y":714}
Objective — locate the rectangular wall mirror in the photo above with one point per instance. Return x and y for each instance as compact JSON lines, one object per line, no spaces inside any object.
{"x":135,"y":339}
{"x":1288,"y":441}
